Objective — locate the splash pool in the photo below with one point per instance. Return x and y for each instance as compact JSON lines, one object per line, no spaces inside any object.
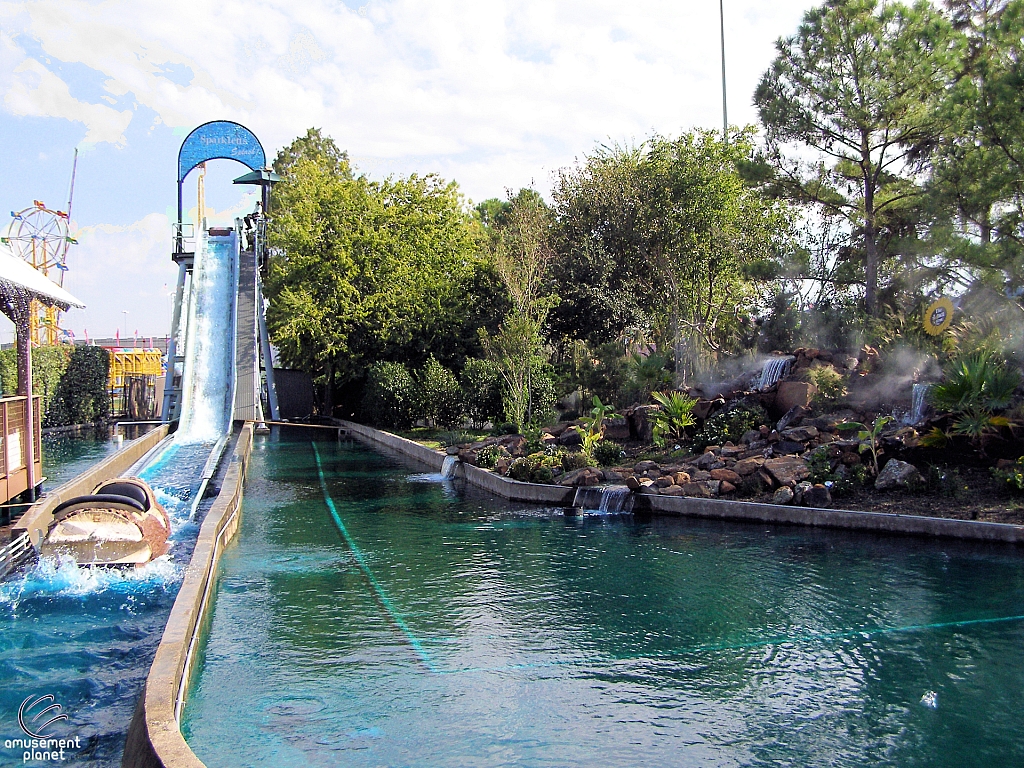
{"x":370,"y":615}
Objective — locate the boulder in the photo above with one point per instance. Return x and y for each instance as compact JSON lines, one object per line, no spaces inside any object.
{"x":673,"y":490}
{"x":664,"y":481}
{"x":616,"y":429}
{"x":644,"y":466}
{"x":748,"y":466}
{"x":571,"y":478}
{"x":681,"y":478}
{"x":791,"y":394}
{"x":725,"y":474}
{"x":784,"y":447}
{"x":792,"y":417}
{"x":725,"y":487}
{"x":799,"y":490}
{"x":783,"y":496}
{"x":817,"y":496}
{"x":706,"y":460}
{"x":787,"y":470}
{"x":611,"y":476}
{"x":633,"y":483}
{"x":696,"y":489}
{"x":802,"y":434}
{"x":897,"y":474}
{"x":570,"y":438}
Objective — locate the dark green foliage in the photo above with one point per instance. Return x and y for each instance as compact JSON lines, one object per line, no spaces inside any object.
{"x":607,"y":453}
{"x":729,"y":425}
{"x":842,"y":481}
{"x":481,"y":390}
{"x":389,"y":399}
{"x":1011,"y":478}
{"x":648,"y":374}
{"x":536,"y":468}
{"x":978,"y":381}
{"x":440,"y":397}
{"x":488,"y":456}
{"x":48,"y":365}
{"x":830,"y":385}
{"x":81,"y":394}
{"x":674,"y":418}
{"x":542,"y":394}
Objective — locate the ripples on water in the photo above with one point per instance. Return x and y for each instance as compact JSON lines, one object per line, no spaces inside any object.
{"x":542,"y":640}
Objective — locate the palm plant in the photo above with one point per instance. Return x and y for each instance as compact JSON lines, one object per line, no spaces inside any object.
{"x":975,"y":387}
{"x":673,"y":418}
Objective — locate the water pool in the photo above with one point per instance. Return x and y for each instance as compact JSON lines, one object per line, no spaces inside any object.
{"x":465,"y":631}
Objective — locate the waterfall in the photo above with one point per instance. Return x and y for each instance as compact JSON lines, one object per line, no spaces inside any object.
{"x":448,"y":467}
{"x":613,"y":500}
{"x":773,"y":371}
{"x":616,"y":500}
{"x":918,"y":402}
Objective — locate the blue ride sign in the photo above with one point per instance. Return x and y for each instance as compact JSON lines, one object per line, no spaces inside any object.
{"x":220,"y":139}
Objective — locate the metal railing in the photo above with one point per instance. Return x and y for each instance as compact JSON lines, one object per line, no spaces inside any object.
{"x":14,"y":554}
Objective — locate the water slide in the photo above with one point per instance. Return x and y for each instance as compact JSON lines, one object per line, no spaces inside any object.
{"x":179,"y":468}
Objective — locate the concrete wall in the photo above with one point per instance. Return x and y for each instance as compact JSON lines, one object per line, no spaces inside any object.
{"x":718,"y":509}
{"x":39,"y":516}
{"x":154,"y":738}
{"x":879,"y":522}
{"x":482,"y":478}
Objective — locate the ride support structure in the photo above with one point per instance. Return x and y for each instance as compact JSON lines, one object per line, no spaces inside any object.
{"x":223,"y":139}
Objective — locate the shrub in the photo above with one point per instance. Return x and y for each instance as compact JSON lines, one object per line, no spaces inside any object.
{"x":536,"y":468}
{"x":571,"y":460}
{"x":48,"y":366}
{"x":542,"y":394}
{"x":440,"y":397}
{"x":488,"y":456}
{"x":481,"y":390}
{"x":607,"y":453}
{"x":648,"y":374}
{"x":673,"y":418}
{"x":729,"y":425}
{"x":81,"y":396}
{"x":830,"y":385}
{"x":1011,"y":478}
{"x":974,"y":388}
{"x":389,"y":399}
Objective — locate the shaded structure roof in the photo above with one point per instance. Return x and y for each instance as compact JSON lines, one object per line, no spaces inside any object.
{"x":20,"y":282}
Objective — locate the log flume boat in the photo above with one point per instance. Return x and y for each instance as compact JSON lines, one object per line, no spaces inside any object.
{"x":119,"y":523}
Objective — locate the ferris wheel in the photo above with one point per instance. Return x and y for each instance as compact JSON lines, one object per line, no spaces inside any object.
{"x":40,"y":236}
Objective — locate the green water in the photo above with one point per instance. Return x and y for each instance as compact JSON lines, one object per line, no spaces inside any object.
{"x":464,"y":631}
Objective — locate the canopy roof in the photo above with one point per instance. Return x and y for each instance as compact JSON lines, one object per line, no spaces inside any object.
{"x":19,"y":278}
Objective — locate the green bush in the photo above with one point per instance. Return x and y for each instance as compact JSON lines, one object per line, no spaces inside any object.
{"x":48,"y":365}
{"x":439,"y":395}
{"x":481,"y":391}
{"x":81,"y":396}
{"x":607,"y":453}
{"x":830,"y":385}
{"x":488,"y":456}
{"x":536,"y":468}
{"x":1011,"y":478}
{"x":542,"y":394}
{"x":389,"y":399}
{"x":673,"y":418}
{"x":974,"y":387}
{"x":729,"y":425}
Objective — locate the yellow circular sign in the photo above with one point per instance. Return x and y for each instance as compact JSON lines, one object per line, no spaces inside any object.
{"x":938,"y":317}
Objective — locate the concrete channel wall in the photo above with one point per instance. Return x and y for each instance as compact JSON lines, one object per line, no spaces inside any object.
{"x":154,"y":737}
{"x":39,"y":516}
{"x":716,"y":509}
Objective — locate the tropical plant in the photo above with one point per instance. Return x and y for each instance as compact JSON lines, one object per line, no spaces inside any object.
{"x":675,"y":416}
{"x":975,"y":386}
{"x":648,"y":374}
{"x":869,"y":437}
{"x":592,"y":429}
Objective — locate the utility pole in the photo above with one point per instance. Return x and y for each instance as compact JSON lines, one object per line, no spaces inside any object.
{"x":725,"y":111}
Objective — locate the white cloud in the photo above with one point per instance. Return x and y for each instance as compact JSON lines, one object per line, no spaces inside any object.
{"x":34,"y":91}
{"x":116,"y":268}
{"x":459,"y":86}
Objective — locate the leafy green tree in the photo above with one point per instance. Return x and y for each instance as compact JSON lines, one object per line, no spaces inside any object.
{"x":363,"y":271}
{"x":390,"y":396}
{"x":858,"y":85}
{"x":481,"y":391}
{"x":521,"y":258}
{"x":666,"y":242}
{"x":81,"y":394}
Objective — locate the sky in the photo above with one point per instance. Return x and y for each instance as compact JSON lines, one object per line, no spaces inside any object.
{"x":494,"y":95}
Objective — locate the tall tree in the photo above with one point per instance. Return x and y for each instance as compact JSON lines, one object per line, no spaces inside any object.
{"x":858,"y":85}
{"x":366,"y":270}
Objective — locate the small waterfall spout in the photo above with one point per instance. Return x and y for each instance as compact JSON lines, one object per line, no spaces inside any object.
{"x":613,"y":500}
{"x":448,"y":467}
{"x":918,"y":402}
{"x":773,"y":371}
